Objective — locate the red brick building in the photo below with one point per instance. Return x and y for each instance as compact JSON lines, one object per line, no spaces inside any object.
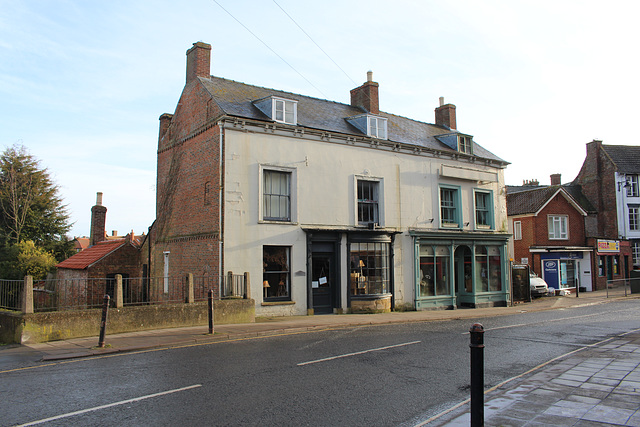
{"x":609,"y":179}
{"x":85,"y":277}
{"x":549,"y":233}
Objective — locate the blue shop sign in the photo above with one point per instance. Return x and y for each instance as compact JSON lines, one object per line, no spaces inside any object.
{"x":551,"y":273}
{"x":561,"y":255}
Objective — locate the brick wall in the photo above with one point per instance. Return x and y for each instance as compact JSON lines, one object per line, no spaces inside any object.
{"x":188,"y":187}
{"x":597,"y":179}
{"x":560,"y":206}
{"x":535,"y":231}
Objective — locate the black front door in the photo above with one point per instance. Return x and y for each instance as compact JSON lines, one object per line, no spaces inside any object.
{"x":323,"y":282}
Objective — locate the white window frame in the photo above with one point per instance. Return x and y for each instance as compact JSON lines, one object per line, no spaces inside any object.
{"x":293,"y":194}
{"x":377,"y":127}
{"x":635,"y":252}
{"x":464,"y":144}
{"x":632,"y":188}
{"x":555,"y":221}
{"x":517,"y":230}
{"x":634,"y":218}
{"x":285,"y":110}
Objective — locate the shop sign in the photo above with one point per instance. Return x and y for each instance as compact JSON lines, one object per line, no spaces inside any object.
{"x":551,"y":273}
{"x":561,"y":255}
{"x":608,"y":246}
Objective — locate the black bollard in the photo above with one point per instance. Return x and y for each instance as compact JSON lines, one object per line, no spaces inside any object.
{"x":477,"y":374}
{"x":103,"y":323}
{"x":211,"y":311}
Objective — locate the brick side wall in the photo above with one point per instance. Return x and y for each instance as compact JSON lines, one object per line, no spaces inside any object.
{"x":188,"y":188}
{"x":597,"y":179}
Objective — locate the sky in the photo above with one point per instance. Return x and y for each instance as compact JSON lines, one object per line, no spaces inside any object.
{"x":82,"y":84}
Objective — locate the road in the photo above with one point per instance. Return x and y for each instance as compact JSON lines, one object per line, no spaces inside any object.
{"x":362,"y":376}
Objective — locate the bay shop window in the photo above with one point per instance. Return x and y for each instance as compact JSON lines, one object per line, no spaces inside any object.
{"x":459,"y":272}
{"x":370,"y":268}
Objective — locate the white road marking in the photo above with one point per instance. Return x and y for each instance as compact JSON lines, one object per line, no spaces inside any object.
{"x":357,"y":353}
{"x":541,"y":321}
{"x":97,"y":408}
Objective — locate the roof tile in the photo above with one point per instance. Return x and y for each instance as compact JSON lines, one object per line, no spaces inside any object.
{"x":95,"y":253}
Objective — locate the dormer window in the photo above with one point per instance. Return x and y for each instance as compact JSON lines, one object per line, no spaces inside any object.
{"x":377,"y":127}
{"x":285,"y":111}
{"x":281,"y":110}
{"x":464,"y":144}
{"x":373,"y":126}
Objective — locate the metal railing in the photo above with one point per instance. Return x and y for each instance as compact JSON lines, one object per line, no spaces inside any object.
{"x":11,"y":294}
{"x":85,"y":293}
{"x":618,"y":287}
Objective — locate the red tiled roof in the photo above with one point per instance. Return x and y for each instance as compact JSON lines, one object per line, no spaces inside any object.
{"x":81,"y":243}
{"x":95,"y":253}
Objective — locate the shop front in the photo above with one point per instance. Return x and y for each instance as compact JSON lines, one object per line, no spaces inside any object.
{"x":564,"y":268}
{"x":349,"y":271}
{"x":612,"y":261}
{"x":460,"y":270}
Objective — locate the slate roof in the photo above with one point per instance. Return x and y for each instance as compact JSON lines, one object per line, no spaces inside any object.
{"x":91,"y":255}
{"x":528,"y":200}
{"x":625,"y":157}
{"x":236,"y":99}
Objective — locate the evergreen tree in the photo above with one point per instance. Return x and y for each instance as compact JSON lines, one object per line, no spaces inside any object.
{"x":30,"y":206}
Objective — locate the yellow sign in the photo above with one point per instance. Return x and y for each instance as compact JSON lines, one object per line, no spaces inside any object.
{"x":608,"y":246}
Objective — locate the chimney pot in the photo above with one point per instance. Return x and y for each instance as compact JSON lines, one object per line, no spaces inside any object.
{"x":99,"y":198}
{"x":441,"y":101}
{"x":369,"y":76}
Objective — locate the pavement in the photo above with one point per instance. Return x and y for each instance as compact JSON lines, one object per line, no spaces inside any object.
{"x":598,"y":385}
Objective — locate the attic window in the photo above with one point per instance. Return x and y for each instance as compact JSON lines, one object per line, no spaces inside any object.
{"x":278,"y":109}
{"x":373,"y":126}
{"x":285,"y":111}
{"x":377,"y":127}
{"x":464,"y":144}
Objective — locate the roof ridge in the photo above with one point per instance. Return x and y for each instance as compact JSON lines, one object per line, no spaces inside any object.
{"x":333,"y":102}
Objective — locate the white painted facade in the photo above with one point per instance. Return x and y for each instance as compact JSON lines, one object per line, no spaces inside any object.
{"x":324,"y":170}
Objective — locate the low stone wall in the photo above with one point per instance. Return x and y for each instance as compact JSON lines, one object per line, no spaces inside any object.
{"x":371,"y":305}
{"x":59,"y":325}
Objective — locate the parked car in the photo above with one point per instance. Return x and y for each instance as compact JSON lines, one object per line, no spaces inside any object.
{"x":538,"y":286}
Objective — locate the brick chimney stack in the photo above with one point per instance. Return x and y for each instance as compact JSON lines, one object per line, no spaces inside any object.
{"x":98,"y":221}
{"x":199,"y":61}
{"x":366,"y":96}
{"x":446,"y":115}
{"x":556,"y":179}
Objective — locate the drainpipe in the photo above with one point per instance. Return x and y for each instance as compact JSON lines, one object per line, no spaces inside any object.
{"x":221,"y":202}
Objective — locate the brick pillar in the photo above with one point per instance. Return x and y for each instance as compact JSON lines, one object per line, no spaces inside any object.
{"x":27,"y":295}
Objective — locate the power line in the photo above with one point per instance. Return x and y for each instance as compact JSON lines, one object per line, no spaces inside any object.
{"x":314,"y":42}
{"x":268,"y":47}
